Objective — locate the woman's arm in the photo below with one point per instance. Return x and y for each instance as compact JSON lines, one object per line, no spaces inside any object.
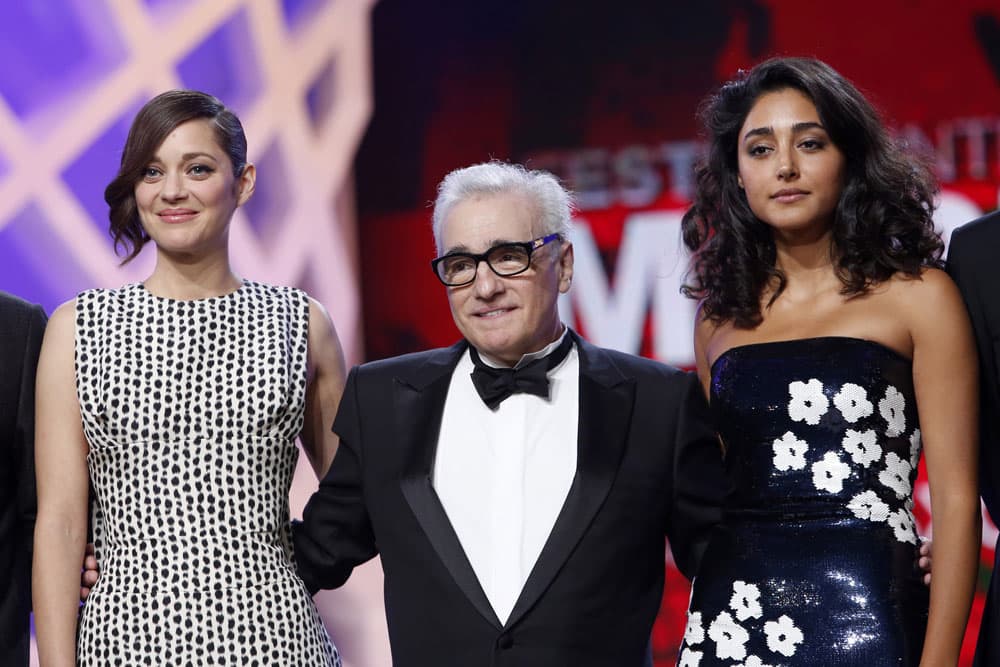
{"x":946,"y":383}
{"x":61,"y":469}
{"x":323,"y":391}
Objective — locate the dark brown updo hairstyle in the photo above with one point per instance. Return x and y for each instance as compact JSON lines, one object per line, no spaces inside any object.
{"x":157,"y":119}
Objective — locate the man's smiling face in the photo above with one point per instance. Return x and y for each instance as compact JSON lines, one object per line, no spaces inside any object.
{"x":506,"y":317}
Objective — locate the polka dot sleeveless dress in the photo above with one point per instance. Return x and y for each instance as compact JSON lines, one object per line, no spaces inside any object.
{"x":191,"y":410}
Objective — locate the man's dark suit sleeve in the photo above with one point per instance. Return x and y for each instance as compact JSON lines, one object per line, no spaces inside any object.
{"x":335,"y":534}
{"x":967,"y":268}
{"x":699,"y":480}
{"x":972,"y":265}
{"x":25,"y":429}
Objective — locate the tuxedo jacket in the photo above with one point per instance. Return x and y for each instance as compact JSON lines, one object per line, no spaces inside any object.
{"x":21,"y":327}
{"x":973,"y":255}
{"x":648,"y":466}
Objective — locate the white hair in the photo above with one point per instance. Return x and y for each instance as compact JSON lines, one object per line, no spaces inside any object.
{"x":554,"y":202}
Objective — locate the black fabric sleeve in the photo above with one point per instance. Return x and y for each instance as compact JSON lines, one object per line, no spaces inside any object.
{"x":966,"y":268}
{"x":25,"y":429}
{"x":335,"y":534}
{"x":698,"y":480}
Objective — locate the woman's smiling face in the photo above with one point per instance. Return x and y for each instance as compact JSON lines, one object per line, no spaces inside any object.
{"x":188,"y":192}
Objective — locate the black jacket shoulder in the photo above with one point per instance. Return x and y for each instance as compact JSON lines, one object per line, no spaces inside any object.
{"x":982,"y":233}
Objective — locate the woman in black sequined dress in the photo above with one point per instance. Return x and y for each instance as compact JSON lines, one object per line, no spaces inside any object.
{"x":834,"y":350}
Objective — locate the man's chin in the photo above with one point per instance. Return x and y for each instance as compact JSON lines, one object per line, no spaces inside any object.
{"x":497,"y":346}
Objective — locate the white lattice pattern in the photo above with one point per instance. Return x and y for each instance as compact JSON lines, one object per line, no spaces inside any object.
{"x":304,"y":150}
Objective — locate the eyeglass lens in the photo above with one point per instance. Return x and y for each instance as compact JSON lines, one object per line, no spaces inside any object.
{"x":505,"y":260}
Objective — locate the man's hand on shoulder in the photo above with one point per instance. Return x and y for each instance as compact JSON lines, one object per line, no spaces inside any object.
{"x":89,"y":575}
{"x":924,"y":560}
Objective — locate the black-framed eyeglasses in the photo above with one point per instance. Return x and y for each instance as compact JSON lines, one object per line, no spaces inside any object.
{"x":505,"y":259}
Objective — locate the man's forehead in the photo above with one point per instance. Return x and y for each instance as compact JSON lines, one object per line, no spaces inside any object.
{"x":480,"y":222}
{"x":476,"y":247}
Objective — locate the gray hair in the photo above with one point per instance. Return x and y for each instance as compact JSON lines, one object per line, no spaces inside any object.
{"x":554,"y":202}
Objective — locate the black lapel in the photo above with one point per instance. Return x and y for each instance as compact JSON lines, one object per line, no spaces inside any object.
{"x":606,"y":400}
{"x":419,"y":402}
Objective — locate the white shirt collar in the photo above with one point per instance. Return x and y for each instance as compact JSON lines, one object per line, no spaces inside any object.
{"x":527,"y":358}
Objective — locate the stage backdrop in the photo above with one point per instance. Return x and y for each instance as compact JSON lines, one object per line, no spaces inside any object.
{"x":605,"y":95}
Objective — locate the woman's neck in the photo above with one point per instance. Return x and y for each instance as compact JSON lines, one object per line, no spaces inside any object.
{"x":182,"y":278}
{"x":794,"y":254}
{"x":808,"y":265}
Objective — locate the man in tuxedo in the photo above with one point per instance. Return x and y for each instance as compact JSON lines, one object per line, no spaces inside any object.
{"x":518,"y":485}
{"x":972,"y":262}
{"x":21,"y":328}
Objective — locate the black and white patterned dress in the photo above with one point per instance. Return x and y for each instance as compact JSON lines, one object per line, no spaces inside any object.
{"x":191,"y":410}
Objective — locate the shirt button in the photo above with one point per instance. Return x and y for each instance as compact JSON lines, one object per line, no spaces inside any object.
{"x":505,"y":642}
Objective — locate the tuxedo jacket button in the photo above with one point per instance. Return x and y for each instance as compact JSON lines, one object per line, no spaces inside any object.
{"x":505,"y":642}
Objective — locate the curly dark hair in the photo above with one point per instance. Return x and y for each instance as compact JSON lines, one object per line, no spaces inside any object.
{"x":154,"y":122}
{"x":882,"y":223}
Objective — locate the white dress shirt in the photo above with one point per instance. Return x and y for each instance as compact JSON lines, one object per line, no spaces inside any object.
{"x":503,"y":476}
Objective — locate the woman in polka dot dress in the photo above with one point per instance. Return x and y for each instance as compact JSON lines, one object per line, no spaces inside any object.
{"x":182,"y":397}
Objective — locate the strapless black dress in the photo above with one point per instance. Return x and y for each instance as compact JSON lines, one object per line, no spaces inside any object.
{"x":815,"y":560}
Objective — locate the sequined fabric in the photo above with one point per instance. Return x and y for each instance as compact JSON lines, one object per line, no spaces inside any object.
{"x":815,"y":561}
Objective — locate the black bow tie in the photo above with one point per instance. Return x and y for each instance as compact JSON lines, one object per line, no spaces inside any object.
{"x":496,"y":384}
